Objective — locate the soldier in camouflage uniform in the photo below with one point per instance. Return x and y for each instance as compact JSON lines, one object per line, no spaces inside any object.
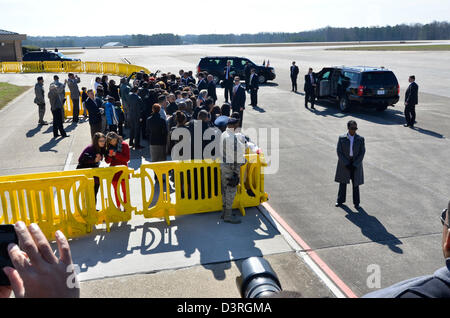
{"x":232,"y":160}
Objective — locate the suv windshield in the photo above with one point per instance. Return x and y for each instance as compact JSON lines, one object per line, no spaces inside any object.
{"x":379,"y":78}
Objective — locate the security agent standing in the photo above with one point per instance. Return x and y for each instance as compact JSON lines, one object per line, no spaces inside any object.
{"x":310,"y":88}
{"x":294,"y":73}
{"x":232,"y":160}
{"x":253,"y":86}
{"x":40,"y":99}
{"x":350,"y":151}
{"x":411,"y":100}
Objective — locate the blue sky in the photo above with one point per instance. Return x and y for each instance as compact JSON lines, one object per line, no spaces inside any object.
{"x":108,"y":17}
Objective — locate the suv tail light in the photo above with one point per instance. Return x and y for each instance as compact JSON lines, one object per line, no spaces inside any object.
{"x":398,"y":89}
{"x":198,"y":69}
{"x":360,"y":90}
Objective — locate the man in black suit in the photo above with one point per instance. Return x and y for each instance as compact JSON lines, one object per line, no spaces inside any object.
{"x":238,"y":99}
{"x":228,"y":80}
{"x":202,"y":82}
{"x":212,"y":88}
{"x":253,"y":86}
{"x":411,"y":100}
{"x":294,"y":74}
{"x":310,"y":88}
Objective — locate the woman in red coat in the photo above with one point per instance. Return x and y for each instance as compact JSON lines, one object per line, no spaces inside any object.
{"x":118,"y":154}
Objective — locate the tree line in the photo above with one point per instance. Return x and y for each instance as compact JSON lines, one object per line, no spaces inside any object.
{"x":431,"y":31}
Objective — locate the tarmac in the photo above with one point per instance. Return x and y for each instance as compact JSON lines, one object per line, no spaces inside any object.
{"x":397,"y":228}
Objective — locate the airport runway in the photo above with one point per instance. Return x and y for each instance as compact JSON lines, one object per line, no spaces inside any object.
{"x":407,"y":184}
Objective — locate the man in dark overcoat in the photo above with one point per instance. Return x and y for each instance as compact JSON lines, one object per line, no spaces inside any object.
{"x":350,"y":151}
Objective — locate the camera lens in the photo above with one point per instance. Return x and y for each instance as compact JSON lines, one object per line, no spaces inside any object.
{"x":258,"y":279}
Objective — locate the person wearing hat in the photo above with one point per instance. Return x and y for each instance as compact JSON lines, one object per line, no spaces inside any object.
{"x":233,"y":151}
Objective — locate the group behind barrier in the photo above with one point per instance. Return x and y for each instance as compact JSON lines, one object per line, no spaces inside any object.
{"x":66,"y":200}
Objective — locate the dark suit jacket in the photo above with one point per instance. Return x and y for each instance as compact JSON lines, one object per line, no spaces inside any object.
{"x":202,"y":85}
{"x":294,"y":71}
{"x":343,"y":152}
{"x":247,"y":72}
{"x":308,"y":84}
{"x":212,"y":90}
{"x":157,"y":129}
{"x":238,"y":99}
{"x":411,"y":95}
{"x":254,"y":83}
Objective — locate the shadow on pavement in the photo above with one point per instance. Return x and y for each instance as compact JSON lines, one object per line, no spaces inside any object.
{"x":48,"y":146}
{"x":216,"y":242}
{"x":373,"y":229}
{"x":259,"y":109}
{"x":269,"y":84}
{"x":30,"y":133}
{"x":428,"y":132}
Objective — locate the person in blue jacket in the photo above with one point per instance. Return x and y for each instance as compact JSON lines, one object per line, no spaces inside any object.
{"x":112,"y":120}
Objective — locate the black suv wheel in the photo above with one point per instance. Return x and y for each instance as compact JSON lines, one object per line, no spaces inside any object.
{"x":262,"y":79}
{"x":344,"y":104}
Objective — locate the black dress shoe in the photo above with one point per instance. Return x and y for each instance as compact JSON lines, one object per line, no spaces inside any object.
{"x":337,"y":204}
{"x":405,"y":125}
{"x":357,"y":207}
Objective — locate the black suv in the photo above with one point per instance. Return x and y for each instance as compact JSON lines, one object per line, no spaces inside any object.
{"x":47,"y":56}
{"x":367,"y":86}
{"x":215,"y":66}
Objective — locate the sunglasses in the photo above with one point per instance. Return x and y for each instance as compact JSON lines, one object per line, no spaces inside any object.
{"x":443,"y":217}
{"x":353,"y":128}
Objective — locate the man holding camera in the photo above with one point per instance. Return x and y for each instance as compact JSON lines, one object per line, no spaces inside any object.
{"x":232,"y":159}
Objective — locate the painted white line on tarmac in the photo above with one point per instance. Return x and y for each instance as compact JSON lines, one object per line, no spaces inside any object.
{"x":306,"y":258}
{"x":68,"y":161}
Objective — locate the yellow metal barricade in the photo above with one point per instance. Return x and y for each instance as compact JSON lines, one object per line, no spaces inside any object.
{"x":32,"y":67}
{"x":59,"y":203}
{"x":123,"y":69}
{"x":115,"y":200}
{"x":73,"y":67}
{"x":53,"y":67}
{"x":11,"y":67}
{"x":68,"y":106}
{"x":110,"y":68}
{"x":93,"y":67}
{"x":118,"y":69}
{"x":197,"y":187}
{"x":66,"y":200}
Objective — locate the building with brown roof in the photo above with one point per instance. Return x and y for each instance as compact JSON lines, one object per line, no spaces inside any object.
{"x":11,"y":46}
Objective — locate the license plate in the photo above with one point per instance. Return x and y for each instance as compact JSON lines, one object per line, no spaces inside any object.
{"x":380,"y":92}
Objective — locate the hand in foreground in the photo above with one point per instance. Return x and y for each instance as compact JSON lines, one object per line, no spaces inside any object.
{"x":38,"y":272}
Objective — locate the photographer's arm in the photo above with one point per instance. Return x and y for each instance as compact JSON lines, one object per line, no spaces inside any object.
{"x":38,"y":272}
